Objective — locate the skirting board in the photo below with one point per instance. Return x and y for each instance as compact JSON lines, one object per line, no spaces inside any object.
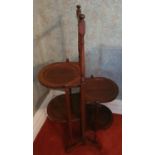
{"x":41,"y":114}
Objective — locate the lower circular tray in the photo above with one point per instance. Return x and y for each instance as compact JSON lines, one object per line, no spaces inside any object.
{"x":98,"y":116}
{"x":57,"y":112}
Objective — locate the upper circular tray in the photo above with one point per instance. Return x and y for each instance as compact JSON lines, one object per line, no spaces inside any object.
{"x":58,"y":75}
{"x":99,"y":89}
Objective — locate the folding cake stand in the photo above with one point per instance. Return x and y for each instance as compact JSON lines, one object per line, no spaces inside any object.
{"x":83,"y":107}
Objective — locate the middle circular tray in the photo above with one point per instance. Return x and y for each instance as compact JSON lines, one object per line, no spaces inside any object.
{"x":56,"y":109}
{"x":99,"y":89}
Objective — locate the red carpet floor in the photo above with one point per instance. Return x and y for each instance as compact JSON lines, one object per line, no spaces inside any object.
{"x":50,"y":140}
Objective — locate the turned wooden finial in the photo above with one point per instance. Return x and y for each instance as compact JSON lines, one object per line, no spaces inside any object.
{"x":78,"y":6}
{"x":78,"y":11}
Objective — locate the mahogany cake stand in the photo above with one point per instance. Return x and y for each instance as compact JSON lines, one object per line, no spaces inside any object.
{"x":83,"y":107}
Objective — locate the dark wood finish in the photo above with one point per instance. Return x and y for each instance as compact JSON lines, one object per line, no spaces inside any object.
{"x":78,"y":11}
{"x":69,"y":118}
{"x":99,"y":89}
{"x":82,"y":114}
{"x":81,"y":33}
{"x":60,"y":75}
{"x":66,"y":75}
{"x":98,"y":117}
{"x":95,"y":90}
{"x":56,"y":108}
{"x":56,"y":112}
